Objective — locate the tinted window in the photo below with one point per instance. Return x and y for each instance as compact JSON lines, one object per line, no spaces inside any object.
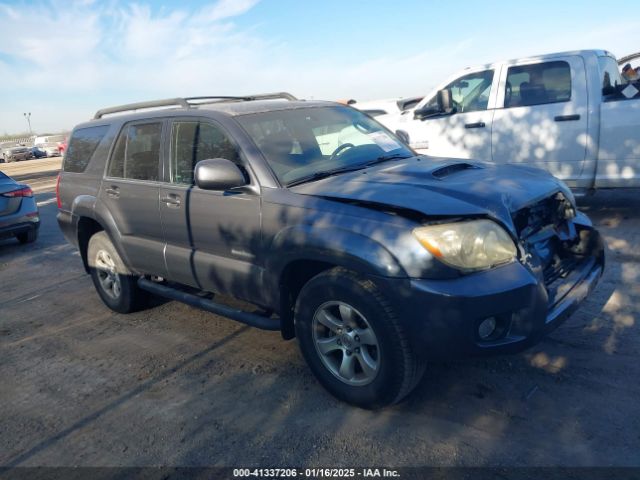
{"x":609,"y":74}
{"x":82,"y":146}
{"x":548,"y":82}
{"x":469,"y":93}
{"x":195,"y":141}
{"x":137,"y":153}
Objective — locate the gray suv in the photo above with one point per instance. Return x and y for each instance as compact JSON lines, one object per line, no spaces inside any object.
{"x":376,"y":259}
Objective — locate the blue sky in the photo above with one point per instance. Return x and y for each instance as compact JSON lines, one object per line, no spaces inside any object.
{"x":62,"y":60}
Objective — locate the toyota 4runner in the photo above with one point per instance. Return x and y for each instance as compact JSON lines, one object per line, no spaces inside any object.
{"x":376,"y":259}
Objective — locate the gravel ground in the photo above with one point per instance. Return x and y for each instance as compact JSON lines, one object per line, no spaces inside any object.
{"x":174,"y":386}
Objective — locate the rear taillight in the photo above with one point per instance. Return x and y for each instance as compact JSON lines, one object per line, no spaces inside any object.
{"x":22,"y":192}
{"x":58,"y":192}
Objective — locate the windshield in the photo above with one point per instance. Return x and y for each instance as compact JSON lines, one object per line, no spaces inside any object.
{"x":304,"y":142}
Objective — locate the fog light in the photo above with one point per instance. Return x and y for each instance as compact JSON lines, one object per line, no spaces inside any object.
{"x":487,"y":328}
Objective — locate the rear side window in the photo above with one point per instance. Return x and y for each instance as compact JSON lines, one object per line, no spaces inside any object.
{"x":137,"y":152}
{"x":82,"y":146}
{"x":610,"y":75}
{"x":548,"y":82}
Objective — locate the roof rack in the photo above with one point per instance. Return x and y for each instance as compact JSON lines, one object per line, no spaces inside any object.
{"x":189,"y":102}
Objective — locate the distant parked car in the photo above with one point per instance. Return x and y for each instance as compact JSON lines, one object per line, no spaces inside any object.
{"x":52,"y":149}
{"x":15,"y":154}
{"x":19,"y":215}
{"x":376,"y":108}
{"x":38,"y":152}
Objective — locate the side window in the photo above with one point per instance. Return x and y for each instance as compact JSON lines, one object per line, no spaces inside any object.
{"x":537,"y":84}
{"x":195,"y":141}
{"x":609,"y":74}
{"x":82,"y":145}
{"x":469,"y":93}
{"x":137,"y":153}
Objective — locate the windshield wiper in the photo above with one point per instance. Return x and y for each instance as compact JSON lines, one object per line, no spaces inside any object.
{"x":384,"y":158}
{"x":336,"y":171}
{"x":324,"y":174}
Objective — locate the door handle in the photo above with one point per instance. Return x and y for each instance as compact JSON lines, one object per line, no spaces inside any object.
{"x":475,"y":125}
{"x":567,"y":118}
{"x":113,"y":191}
{"x":171,"y":200}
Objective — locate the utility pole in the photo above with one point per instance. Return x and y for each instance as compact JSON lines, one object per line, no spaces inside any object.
{"x":28,"y":117}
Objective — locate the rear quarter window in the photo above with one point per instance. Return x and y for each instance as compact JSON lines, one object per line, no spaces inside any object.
{"x":82,"y":146}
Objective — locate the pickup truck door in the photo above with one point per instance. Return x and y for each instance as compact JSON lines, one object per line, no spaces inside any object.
{"x":619,"y":147}
{"x":463,"y":133}
{"x":212,"y":237}
{"x":541,"y":119}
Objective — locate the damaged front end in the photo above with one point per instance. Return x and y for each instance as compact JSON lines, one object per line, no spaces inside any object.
{"x":560,"y":245}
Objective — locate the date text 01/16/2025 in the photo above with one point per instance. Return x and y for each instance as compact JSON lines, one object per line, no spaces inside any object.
{"x":315,"y":473}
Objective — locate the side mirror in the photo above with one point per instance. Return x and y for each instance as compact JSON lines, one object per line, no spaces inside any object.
{"x":442,"y":107}
{"x":402,"y":135}
{"x":218,"y":174}
{"x":443,"y":98}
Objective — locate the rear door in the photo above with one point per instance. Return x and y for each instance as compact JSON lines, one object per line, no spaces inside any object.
{"x":212,"y":237}
{"x":465,"y":133}
{"x":619,"y":148}
{"x":130,"y":192}
{"x":542,"y":116}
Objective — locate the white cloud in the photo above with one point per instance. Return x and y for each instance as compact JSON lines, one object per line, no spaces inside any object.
{"x":85,"y":55}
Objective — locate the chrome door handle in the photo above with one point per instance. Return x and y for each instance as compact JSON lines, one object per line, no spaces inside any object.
{"x":113,"y":192}
{"x":171,"y":200}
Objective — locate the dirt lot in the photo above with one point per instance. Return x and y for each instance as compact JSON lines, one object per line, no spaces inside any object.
{"x":175,"y":386}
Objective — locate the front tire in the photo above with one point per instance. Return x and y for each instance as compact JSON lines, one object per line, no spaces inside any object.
{"x":113,"y":281}
{"x":353,"y":341}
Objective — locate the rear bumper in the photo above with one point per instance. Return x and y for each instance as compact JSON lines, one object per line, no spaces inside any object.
{"x":442,"y":316}
{"x":24,"y":219}
{"x":68,"y":224}
{"x":17,"y":228}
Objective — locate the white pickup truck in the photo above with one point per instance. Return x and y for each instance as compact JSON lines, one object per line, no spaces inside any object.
{"x":569,"y":113}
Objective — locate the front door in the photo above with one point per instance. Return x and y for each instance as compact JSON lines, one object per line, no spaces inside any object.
{"x":213,"y":237}
{"x":463,"y":133}
{"x":542,"y":121}
{"x":130,"y":193}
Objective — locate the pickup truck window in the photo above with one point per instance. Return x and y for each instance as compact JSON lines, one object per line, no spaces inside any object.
{"x":469,"y":93}
{"x":538,"y":84}
{"x":82,"y":145}
{"x":609,"y":74}
{"x":137,"y":153}
{"x":195,"y":141}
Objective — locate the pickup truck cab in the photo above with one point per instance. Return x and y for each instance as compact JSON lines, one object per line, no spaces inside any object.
{"x":568,"y":113}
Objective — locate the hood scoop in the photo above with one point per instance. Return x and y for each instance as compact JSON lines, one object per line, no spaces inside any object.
{"x":452,"y":169}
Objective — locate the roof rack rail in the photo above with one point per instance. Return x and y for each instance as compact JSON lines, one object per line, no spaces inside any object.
{"x":168,"y":102}
{"x":190,"y":101}
{"x":245,"y":98}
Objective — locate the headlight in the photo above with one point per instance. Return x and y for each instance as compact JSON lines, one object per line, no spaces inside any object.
{"x":471,"y":245}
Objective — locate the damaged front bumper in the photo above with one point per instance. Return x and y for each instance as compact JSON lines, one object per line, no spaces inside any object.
{"x":522,"y":301}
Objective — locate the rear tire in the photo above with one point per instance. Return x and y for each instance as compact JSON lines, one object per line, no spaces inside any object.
{"x":113,"y":281}
{"x":353,"y":341}
{"x":28,"y":237}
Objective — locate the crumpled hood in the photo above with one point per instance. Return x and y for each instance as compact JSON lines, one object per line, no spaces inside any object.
{"x":437,"y":187}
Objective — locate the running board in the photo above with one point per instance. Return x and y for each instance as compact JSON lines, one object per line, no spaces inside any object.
{"x":252,"y":319}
